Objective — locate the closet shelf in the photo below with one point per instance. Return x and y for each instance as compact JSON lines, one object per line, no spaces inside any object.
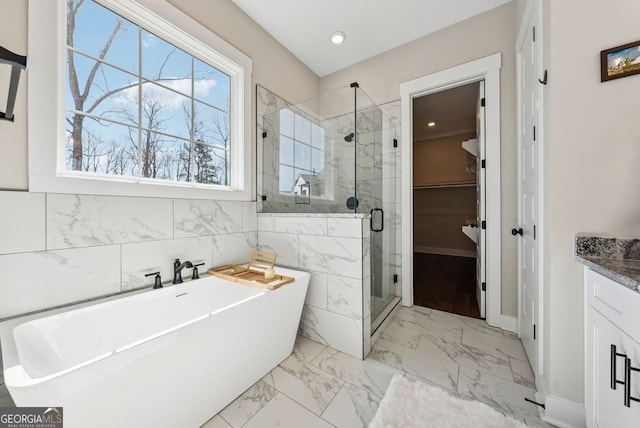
{"x":471,"y":232}
{"x":443,"y":185}
{"x":471,"y":146}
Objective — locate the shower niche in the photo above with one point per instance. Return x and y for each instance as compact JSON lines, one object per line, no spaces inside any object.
{"x":328,"y":176}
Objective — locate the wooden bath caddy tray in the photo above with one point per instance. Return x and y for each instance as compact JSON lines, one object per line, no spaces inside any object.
{"x":250,"y":277}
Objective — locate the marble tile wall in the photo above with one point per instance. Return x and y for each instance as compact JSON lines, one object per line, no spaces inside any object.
{"x":57,"y":249}
{"x":334,"y":250}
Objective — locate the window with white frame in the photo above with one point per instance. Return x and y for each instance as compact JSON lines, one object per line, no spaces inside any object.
{"x":302,"y":155}
{"x":146,"y":103}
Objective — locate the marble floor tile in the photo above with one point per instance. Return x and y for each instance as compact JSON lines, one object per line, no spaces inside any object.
{"x":422,"y":323}
{"x":469,"y":325}
{"x":5,"y":398}
{"x":283,"y":412}
{"x":307,"y":349}
{"x":306,"y":384}
{"x":400,"y":335}
{"x":216,"y":422}
{"x":510,"y":335}
{"x":248,"y":404}
{"x":369,"y":375}
{"x":465,"y":355}
{"x":500,"y":394}
{"x":498,"y":346}
{"x":318,"y":386}
{"x":352,"y":407}
{"x":538,"y":423}
{"x":421,"y":310}
{"x":522,"y":373}
{"x":443,"y":373}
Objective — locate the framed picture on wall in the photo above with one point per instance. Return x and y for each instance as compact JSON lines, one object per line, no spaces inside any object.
{"x":621,"y":61}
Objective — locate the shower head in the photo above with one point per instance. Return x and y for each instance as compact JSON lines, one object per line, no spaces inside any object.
{"x":349,"y":138}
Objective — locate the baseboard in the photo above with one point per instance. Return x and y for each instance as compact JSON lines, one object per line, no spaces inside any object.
{"x":444,"y":251}
{"x":509,"y":323}
{"x":558,"y":411}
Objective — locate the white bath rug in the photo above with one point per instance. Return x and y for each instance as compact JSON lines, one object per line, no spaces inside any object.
{"x":414,"y":404}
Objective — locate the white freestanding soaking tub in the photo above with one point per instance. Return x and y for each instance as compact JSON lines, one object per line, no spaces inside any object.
{"x":171,"y":357}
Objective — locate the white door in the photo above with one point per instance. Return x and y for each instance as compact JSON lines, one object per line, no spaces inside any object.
{"x":481,"y":271}
{"x":529,"y":170}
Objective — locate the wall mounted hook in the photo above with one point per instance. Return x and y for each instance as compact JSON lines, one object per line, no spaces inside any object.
{"x":544,"y":78}
{"x":17,"y":63}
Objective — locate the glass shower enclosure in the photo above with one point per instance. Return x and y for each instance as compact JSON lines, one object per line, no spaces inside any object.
{"x":337,"y":154}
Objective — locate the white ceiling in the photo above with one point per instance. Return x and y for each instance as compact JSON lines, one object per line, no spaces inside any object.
{"x":371,"y":26}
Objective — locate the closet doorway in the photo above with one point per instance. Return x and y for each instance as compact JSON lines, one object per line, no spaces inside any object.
{"x":486,"y":69}
{"x":448,"y":200}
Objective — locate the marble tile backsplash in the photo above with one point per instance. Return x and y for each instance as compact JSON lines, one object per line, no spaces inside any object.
{"x":41,"y":279}
{"x":57,"y":249}
{"x":84,"y":220}
{"x":22,"y":222}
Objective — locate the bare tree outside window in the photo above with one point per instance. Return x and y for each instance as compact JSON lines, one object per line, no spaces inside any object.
{"x":139,"y":106}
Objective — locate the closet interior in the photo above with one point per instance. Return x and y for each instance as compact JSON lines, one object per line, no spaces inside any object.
{"x":446,"y":199}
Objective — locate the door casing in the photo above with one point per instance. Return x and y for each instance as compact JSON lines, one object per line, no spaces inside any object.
{"x":487,"y":69}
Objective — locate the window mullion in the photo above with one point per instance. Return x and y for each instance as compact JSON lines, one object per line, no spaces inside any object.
{"x":192,"y":160}
{"x":140,"y":104}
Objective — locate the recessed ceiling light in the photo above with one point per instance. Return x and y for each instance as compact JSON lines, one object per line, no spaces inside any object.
{"x":431,"y":124}
{"x":337,"y":37}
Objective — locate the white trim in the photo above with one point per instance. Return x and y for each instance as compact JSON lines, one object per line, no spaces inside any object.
{"x":558,"y":411}
{"x":487,"y":69}
{"x":564,"y":413}
{"x":46,"y":101}
{"x":509,"y":323}
{"x":448,"y":134}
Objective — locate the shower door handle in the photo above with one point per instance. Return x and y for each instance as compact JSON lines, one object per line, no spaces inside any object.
{"x":373,"y":211}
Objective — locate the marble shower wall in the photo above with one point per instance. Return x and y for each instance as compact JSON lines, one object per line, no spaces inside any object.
{"x":268,"y":138}
{"x":350,"y":167}
{"x":58,"y":249}
{"x":335,"y":250}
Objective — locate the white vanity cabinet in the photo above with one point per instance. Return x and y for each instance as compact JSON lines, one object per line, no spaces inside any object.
{"x":612,"y":353}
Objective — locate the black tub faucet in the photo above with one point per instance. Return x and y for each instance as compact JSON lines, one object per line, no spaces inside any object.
{"x":177,"y":270}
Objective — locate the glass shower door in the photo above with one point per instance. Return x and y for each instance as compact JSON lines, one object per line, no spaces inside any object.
{"x":382,"y":225}
{"x":376,"y":189}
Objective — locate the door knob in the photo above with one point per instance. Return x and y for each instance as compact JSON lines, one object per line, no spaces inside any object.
{"x":515,"y":232}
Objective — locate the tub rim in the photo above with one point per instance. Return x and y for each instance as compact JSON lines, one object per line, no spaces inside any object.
{"x":16,"y":376}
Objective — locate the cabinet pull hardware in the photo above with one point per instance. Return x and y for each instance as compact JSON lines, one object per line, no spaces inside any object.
{"x":627,"y":382}
{"x":614,"y":354}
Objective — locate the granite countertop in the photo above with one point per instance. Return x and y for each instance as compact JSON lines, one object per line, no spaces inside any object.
{"x":615,"y":258}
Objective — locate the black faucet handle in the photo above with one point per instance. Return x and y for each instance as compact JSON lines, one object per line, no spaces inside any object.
{"x":195,"y":274}
{"x":158,"y":280}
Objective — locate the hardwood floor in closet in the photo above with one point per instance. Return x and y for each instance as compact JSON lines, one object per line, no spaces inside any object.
{"x":446,"y":283}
